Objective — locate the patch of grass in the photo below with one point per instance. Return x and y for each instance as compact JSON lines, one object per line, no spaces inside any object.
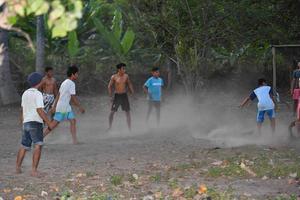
{"x":90,"y":174}
{"x":190,"y":192}
{"x":156,"y":178}
{"x":278,"y":168}
{"x":104,"y":196}
{"x":233,"y":169}
{"x":221,"y":195}
{"x":173,"y":183}
{"x":291,"y":197}
{"x":116,"y":180}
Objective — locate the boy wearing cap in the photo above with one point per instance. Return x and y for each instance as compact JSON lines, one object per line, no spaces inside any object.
{"x":33,"y":117}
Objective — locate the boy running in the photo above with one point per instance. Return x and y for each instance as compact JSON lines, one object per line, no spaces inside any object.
{"x":153,"y":88}
{"x":49,"y":89}
{"x":120,"y":81}
{"x":63,"y":109}
{"x":33,"y":117}
{"x":266,"y":103}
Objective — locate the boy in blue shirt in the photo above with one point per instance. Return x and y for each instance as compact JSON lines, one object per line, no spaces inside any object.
{"x":153,"y":88}
{"x":266,"y":103}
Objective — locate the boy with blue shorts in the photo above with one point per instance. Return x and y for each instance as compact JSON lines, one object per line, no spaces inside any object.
{"x":63,"y":109}
{"x":266,"y":103}
{"x":153,"y":88}
{"x":33,"y":117}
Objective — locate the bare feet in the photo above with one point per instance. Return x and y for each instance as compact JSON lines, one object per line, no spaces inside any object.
{"x":75,"y":142}
{"x":18,"y":170}
{"x":37,"y":174}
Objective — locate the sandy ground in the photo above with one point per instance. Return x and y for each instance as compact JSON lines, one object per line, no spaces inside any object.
{"x":187,"y":150}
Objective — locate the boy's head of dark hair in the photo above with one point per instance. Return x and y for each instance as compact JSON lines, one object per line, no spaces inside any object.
{"x":154,"y":69}
{"x":73,"y":69}
{"x":47,"y":69}
{"x":120,"y":65}
{"x":261,"y":81}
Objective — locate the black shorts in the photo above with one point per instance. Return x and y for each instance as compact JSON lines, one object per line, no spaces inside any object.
{"x":121,"y":100}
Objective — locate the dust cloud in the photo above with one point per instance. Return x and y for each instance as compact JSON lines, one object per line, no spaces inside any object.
{"x":214,"y":117}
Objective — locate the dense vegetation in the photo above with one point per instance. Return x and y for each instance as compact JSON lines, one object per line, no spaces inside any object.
{"x":192,"y":40}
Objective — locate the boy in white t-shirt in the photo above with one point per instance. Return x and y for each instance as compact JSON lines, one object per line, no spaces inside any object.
{"x":266,"y":103}
{"x":32,"y":116}
{"x":63,"y":109}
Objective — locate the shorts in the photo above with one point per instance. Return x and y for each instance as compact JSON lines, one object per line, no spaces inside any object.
{"x":48,"y":101}
{"x":296,"y":94}
{"x":120,"y":100}
{"x":32,"y":133}
{"x":59,"y":116}
{"x":261,"y":115}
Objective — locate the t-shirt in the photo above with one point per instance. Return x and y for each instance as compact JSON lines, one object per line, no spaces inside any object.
{"x":66,"y":89}
{"x":265,"y":101}
{"x":296,"y":76}
{"x":32,"y":99}
{"x":154,"y":88}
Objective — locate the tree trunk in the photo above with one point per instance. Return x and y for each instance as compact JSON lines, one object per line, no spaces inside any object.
{"x":8,"y":92}
{"x":40,"y":44}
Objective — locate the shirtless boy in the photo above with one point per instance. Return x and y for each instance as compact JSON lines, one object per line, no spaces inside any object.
{"x":49,"y":89}
{"x":120,"y":81}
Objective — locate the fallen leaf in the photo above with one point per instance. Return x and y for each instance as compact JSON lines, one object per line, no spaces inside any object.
{"x":177,"y":192}
{"x":293,"y":175}
{"x":18,"y":198}
{"x":202,"y":189}
{"x":44,"y":194}
{"x":148,"y":197}
{"x":247,"y":169}
{"x":217,"y":163}
{"x":135,"y":176}
{"x":7,"y":190}
{"x":158,"y":195}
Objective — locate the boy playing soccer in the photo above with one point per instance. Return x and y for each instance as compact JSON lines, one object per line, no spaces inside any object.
{"x":32,"y":117}
{"x":153,"y":87}
{"x":266,"y":103}
{"x":63,"y":109}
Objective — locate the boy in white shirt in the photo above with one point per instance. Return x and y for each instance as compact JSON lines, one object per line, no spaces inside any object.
{"x":33,"y":117}
{"x":63,"y":109}
{"x":266,"y":103}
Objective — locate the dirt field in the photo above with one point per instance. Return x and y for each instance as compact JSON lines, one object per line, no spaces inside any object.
{"x":195,"y":145}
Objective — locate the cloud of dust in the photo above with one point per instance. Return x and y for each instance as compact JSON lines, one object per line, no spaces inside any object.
{"x":214,"y":117}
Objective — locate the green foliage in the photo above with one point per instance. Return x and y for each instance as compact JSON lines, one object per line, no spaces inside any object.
{"x":73,"y":44}
{"x":63,"y":15}
{"x":119,"y":40}
{"x":116,"y":180}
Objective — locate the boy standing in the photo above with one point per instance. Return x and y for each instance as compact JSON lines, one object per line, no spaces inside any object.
{"x":32,"y":116}
{"x":153,"y":87}
{"x":295,"y":87}
{"x":63,"y":109}
{"x":266,"y":103}
{"x":49,"y":89}
{"x":120,"y":81}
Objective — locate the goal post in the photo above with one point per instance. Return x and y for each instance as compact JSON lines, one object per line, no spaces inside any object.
{"x":274,"y":47}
